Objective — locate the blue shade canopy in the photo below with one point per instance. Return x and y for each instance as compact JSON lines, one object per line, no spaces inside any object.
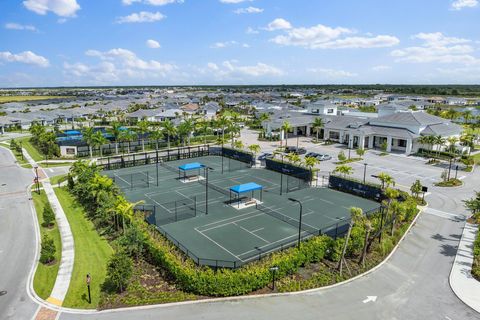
{"x":191,"y":166}
{"x":241,"y":188}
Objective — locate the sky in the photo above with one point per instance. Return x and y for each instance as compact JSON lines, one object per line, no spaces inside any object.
{"x":222,"y":42}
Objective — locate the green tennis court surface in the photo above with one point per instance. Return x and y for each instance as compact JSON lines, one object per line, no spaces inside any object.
{"x":228,"y":237}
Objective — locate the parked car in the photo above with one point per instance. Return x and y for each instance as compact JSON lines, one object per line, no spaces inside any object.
{"x":319,"y":156}
{"x":295,"y":150}
{"x":264,"y":156}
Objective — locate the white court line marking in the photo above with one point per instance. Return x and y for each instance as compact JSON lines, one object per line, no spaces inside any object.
{"x":226,"y":224}
{"x":222,"y":247}
{"x":161,"y":205}
{"x":117,"y":176}
{"x":283,"y":239}
{"x":220,"y":221}
{"x":253,"y":234}
{"x":259,"y":229}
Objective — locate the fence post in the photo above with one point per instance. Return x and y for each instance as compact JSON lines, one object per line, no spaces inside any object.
{"x":336,"y":230}
{"x":195,"y":205}
{"x":175,"y":211}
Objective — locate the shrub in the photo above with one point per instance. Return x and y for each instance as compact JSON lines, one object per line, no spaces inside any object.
{"x":47,"y":252}
{"x":120,"y":269}
{"x":70,"y":182}
{"x":341,"y":156}
{"x":48,"y":216}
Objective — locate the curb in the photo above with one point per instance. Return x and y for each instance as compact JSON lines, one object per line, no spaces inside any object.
{"x":239,"y":298}
{"x":476,"y":309}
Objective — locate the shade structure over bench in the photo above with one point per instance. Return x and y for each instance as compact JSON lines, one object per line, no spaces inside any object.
{"x":188,"y":167}
{"x":246,"y":187}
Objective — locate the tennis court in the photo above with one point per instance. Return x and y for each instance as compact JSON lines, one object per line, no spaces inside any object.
{"x":214,"y":232}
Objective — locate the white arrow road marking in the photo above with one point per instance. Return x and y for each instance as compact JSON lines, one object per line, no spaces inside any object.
{"x":370,"y":299}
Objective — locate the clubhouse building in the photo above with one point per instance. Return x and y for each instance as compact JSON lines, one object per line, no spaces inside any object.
{"x":394,"y":125}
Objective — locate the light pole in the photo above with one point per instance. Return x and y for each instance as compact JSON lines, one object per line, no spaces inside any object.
{"x":36,"y":179}
{"x":365,"y":172}
{"x":206,"y":189}
{"x":273,"y":270}
{"x":300,"y":220}
{"x":88,"y":280}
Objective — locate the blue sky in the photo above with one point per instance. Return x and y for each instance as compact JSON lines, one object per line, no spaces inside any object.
{"x":169,"y":42}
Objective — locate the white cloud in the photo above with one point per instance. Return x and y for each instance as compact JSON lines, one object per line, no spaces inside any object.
{"x":460,"y":4}
{"x":438,"y":48}
{"x":279,"y":24}
{"x":17,"y":26}
{"x":143,"y":16}
{"x":62,"y":8}
{"x":248,"y":10}
{"x":381,"y":68}
{"x":152,"y":2}
{"x":325,"y":37}
{"x":332,"y":73}
{"x":225,"y":44}
{"x":153,"y":44}
{"x":250,"y":30}
{"x":118,"y":65}
{"x":230,"y":69}
{"x":234,"y":1}
{"x":27,"y":57}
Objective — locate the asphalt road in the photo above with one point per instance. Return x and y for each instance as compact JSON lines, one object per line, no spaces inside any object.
{"x":413,"y":284}
{"x":17,"y":240}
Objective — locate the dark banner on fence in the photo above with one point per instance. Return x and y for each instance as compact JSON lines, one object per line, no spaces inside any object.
{"x":289,"y":169}
{"x":356,"y":187}
{"x":242,"y":156}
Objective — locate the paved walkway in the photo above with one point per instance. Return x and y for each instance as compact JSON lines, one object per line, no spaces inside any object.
{"x":65,"y":270}
{"x":462,"y":282}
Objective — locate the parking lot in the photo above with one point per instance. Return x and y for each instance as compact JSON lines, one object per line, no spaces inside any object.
{"x":404,"y":169}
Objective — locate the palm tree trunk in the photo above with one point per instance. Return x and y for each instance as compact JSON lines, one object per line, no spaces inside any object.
{"x":344,"y":250}
{"x":364,"y":251}
{"x":168,"y":141}
{"x":116,"y":146}
{"x":91,"y":151}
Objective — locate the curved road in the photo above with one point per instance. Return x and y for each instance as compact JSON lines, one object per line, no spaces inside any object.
{"x":17,"y":239}
{"x":413,"y":284}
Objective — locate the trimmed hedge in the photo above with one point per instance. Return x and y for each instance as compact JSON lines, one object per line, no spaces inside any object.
{"x":476,"y":258}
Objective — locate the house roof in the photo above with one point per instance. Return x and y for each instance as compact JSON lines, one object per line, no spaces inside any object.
{"x":409,"y":118}
{"x":443,"y":129}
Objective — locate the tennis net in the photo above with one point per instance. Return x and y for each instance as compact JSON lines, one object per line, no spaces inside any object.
{"x":293,"y":222}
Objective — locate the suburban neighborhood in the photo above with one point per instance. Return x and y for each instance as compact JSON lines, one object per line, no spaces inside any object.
{"x":234,"y":159}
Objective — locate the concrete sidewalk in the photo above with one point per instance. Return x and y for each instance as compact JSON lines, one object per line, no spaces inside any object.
{"x":462,"y":282}
{"x":65,"y":269}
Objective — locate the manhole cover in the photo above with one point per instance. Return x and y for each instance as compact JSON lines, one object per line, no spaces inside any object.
{"x":2,"y":293}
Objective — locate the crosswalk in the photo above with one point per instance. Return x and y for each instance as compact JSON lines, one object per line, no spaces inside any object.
{"x":443,"y":214}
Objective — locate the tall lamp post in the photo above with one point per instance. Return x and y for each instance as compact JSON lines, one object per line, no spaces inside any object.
{"x":206,"y":189}
{"x":36,"y":179}
{"x":300,"y":220}
{"x":365,"y":172}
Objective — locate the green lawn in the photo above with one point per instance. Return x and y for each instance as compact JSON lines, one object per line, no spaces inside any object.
{"x":476,"y":158}
{"x":5,"y":99}
{"x":58,"y":179}
{"x":32,"y":151}
{"x":92,"y":253}
{"x":54,"y":164}
{"x":45,"y":275}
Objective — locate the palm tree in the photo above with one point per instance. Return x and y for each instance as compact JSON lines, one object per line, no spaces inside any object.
{"x":223,"y":123}
{"x":293,"y":157}
{"x":142,"y":129}
{"x":87,"y":134}
{"x":156,"y":135}
{"x":126,"y":211}
{"x":255,"y":149}
{"x":467,"y":115}
{"x":440,"y":142}
{"x":356,"y":214}
{"x":204,"y":127}
{"x":423,"y":140}
{"x":317,"y":125}
{"x":189,"y":127}
{"x":286,"y":128}
{"x":115,"y":131}
{"x":467,"y":140}
{"x":367,"y":225}
{"x":170,"y":130}
{"x":128,"y":136}
{"x":343,"y":169}
{"x":264,"y":117}
{"x":183,"y":131}
{"x":311,"y":162}
{"x":452,"y":141}
{"x":451,"y":114}
{"x":233,"y":129}
{"x":386,"y":179}
{"x":98,"y":140}
{"x":238,"y":144}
